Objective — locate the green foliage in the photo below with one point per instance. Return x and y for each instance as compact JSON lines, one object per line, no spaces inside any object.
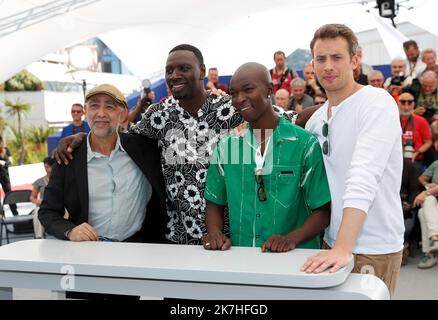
{"x":3,"y":124}
{"x":38,"y":135}
{"x":24,"y":81}
{"x":27,"y":145}
{"x":33,"y":152}
{"x":17,"y":109}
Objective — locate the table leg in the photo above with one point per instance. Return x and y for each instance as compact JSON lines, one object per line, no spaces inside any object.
{"x":58,"y":295}
{"x":6,"y":294}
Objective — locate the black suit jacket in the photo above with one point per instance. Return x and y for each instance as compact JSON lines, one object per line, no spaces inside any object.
{"x":68,"y":187}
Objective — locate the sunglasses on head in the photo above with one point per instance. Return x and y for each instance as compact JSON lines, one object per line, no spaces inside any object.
{"x":405,"y":101}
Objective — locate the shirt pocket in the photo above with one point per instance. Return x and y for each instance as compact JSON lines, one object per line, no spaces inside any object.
{"x":286,"y":185}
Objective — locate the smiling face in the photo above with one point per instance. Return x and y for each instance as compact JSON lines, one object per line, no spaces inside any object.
{"x":333,"y":64}
{"x":428,"y":85}
{"x":104,"y":114}
{"x":76,"y":112}
{"x":184,"y":74}
{"x":429,"y":59}
{"x":250,"y":89}
{"x":298,"y":91}
{"x":398,"y":67}
{"x":406,"y":104}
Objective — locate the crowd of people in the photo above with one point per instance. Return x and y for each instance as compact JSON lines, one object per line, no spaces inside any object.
{"x":269,"y":160}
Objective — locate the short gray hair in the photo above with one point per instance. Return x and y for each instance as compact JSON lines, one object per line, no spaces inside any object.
{"x":426,"y":51}
{"x":428,"y":75}
{"x":297,"y":82}
{"x":398,"y":59}
{"x":376,"y":73}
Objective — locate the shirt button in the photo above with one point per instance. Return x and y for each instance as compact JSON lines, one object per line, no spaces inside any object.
{"x":258,"y":153}
{"x":257,"y":236}
{"x":258,"y":215}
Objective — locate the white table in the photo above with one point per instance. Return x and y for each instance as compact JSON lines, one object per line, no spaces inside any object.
{"x":176,"y":271}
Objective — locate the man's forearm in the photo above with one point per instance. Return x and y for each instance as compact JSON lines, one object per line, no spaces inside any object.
{"x":134,"y":112}
{"x":426,"y":146}
{"x":424,"y":180}
{"x":214,"y":217}
{"x":313,"y":225}
{"x":350,"y":229}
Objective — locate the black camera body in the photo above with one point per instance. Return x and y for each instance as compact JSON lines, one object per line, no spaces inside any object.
{"x":146,"y":101}
{"x":398,"y":80}
{"x":429,"y":113}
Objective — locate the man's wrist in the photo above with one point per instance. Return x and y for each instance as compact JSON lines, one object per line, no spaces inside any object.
{"x":342,"y":249}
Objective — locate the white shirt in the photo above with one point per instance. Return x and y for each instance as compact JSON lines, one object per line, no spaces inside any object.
{"x":364,"y":167}
{"x":415,"y":70}
{"x":118,"y":193}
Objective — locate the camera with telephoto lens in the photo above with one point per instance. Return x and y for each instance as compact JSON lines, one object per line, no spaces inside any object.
{"x":398,"y":80}
{"x":408,"y":150}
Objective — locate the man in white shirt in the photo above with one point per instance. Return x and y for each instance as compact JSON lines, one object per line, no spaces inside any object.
{"x":358,"y":129}
{"x":415,"y":66}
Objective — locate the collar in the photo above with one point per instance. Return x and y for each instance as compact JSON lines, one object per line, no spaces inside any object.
{"x":92,"y":154}
{"x":211,"y":98}
{"x":281,"y":133}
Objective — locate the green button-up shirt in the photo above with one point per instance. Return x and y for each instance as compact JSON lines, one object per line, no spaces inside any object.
{"x":294,"y":178}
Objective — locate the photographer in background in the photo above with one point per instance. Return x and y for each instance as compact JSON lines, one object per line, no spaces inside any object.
{"x":213,"y":81}
{"x":147,"y":98}
{"x":397,"y":81}
{"x":376,"y":79}
{"x":427,"y":97}
{"x":417,"y":137}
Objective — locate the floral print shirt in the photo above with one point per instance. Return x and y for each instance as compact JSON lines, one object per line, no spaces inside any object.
{"x":187,"y":142}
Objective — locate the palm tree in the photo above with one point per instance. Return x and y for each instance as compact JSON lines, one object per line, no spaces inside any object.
{"x":38,"y":136}
{"x":18,"y":108}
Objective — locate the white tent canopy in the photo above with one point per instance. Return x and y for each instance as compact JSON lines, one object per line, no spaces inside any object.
{"x":141,"y":32}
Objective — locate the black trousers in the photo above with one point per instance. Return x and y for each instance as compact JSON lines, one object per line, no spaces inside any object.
{"x":6,"y":185}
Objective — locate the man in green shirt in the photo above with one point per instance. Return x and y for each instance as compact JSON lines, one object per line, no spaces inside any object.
{"x":273,"y":179}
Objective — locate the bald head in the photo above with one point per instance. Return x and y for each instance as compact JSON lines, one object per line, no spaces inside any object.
{"x":250,"y":88}
{"x":282,"y":99}
{"x":254,"y":70}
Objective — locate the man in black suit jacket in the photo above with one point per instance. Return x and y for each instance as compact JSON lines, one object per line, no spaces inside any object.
{"x":106,"y":108}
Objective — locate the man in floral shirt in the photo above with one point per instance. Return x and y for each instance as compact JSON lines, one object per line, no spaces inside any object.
{"x":187,"y":125}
